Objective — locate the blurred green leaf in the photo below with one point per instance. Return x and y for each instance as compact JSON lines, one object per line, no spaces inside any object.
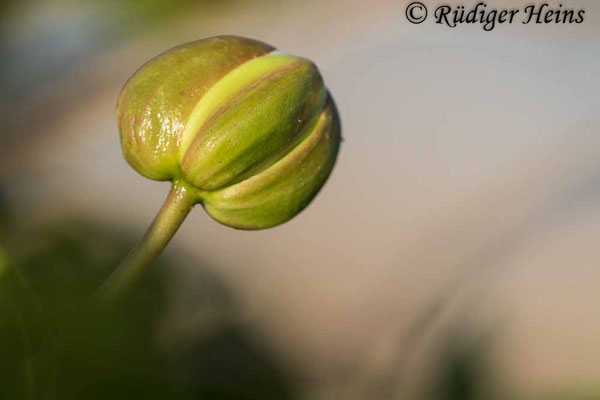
{"x":55,"y":345}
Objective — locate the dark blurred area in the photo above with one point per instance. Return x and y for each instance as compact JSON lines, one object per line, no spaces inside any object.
{"x":452,"y":255}
{"x":55,"y":344}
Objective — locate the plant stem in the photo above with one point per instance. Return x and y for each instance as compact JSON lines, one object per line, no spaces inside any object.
{"x":177,"y":206}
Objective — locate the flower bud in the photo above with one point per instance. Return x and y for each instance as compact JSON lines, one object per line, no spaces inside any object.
{"x":251,"y":130}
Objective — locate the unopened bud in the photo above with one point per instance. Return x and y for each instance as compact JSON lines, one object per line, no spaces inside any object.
{"x":252,"y":130}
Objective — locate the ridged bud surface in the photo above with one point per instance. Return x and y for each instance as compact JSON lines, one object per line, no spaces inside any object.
{"x":253,"y":131}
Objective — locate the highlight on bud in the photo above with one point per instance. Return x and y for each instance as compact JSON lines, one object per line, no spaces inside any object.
{"x":251,"y":130}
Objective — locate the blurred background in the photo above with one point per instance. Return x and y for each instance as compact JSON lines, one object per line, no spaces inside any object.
{"x":453,"y":253}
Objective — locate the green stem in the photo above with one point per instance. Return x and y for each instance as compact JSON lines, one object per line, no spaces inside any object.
{"x":179,"y":203}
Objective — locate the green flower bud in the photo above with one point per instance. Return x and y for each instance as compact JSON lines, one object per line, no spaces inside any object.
{"x":250,"y":130}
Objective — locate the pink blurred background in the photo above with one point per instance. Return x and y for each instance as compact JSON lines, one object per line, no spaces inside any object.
{"x":465,"y":200}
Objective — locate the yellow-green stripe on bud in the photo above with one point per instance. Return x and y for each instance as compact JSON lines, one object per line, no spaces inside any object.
{"x":252,"y":131}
